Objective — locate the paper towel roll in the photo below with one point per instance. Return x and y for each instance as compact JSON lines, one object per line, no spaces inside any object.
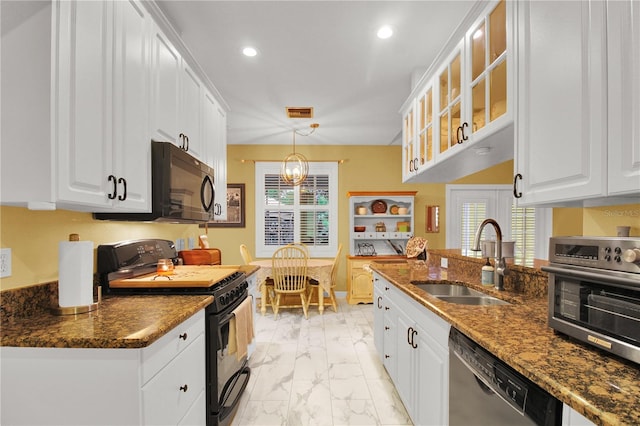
{"x":75,"y":273}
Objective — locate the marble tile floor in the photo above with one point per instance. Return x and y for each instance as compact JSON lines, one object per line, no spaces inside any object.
{"x":320,"y":371}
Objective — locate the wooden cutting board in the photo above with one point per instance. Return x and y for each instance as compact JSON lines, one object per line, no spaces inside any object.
{"x":184,"y":276}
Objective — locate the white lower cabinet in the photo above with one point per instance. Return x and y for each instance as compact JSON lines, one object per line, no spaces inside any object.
{"x":414,"y":343}
{"x":571,"y":417}
{"x":161,"y":384}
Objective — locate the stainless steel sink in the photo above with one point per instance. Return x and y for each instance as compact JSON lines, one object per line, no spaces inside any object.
{"x":448,"y":290}
{"x":459,"y":294}
{"x":473,"y":300}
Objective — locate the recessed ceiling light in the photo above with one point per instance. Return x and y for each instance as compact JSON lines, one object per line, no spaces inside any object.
{"x":385,"y":32}
{"x":249,"y":51}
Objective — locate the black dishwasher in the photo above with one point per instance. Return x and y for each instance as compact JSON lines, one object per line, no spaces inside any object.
{"x":485,"y":391}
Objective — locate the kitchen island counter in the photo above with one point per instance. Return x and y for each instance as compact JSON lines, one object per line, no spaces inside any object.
{"x":603,"y":388}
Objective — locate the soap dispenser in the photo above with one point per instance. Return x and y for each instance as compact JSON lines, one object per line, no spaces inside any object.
{"x":487,"y":273}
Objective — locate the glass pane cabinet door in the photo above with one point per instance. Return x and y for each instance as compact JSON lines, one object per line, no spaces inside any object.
{"x":488,"y":41}
{"x":450,"y":103}
{"x":425,"y":128}
{"x":408,"y":143}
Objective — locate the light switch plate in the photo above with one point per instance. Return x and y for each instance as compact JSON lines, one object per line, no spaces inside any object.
{"x":5,"y":262}
{"x":444,"y":262}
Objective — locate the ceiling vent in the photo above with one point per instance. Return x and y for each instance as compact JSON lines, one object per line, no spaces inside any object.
{"x":299,"y":112}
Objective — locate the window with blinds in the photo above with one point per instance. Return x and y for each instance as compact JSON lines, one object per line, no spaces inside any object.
{"x":472,"y":215}
{"x":469,"y":205}
{"x":286,"y":214}
{"x":523,"y":232}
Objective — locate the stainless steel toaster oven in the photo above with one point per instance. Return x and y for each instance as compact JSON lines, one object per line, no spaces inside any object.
{"x":594,"y":292}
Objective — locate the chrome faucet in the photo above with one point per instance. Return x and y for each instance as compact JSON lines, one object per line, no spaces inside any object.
{"x":500,"y":269}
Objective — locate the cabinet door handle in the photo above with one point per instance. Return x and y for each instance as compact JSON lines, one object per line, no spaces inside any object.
{"x":184,"y":388}
{"x":181,"y":136}
{"x":415,"y":165}
{"x":386,"y":327}
{"x":187,"y":139}
{"x":112,"y":178}
{"x":386,"y":288}
{"x":464,"y":137}
{"x":413,"y":334}
{"x":458,"y":132}
{"x":386,"y":308}
{"x":387,"y":356}
{"x":409,"y":335}
{"x":183,"y":336}
{"x":379,"y":300}
{"x":516,"y":193}
{"x":411,"y":165}
{"x":123,"y":181}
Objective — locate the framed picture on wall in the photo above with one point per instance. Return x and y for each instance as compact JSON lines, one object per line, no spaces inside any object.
{"x":235,"y":209}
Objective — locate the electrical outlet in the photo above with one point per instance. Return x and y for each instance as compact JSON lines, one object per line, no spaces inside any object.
{"x":180,"y":244}
{"x":444,"y":262}
{"x":5,"y":262}
{"x":192,"y":243}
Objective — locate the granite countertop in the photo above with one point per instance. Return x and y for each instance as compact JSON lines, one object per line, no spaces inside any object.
{"x":602,"y":387}
{"x":119,"y":322}
{"x":131,"y":321}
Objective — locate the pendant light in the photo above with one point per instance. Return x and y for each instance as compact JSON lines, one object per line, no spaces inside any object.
{"x":295,"y":166}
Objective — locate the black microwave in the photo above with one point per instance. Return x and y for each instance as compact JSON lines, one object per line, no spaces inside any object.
{"x":182,"y":188}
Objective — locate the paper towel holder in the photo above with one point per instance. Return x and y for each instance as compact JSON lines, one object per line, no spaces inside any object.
{"x":76,"y":310}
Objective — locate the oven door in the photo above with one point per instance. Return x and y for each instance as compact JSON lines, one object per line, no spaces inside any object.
{"x":229,"y":375}
{"x":600,"y":309}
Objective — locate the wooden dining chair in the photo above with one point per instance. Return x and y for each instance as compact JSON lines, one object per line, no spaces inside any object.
{"x":246,"y":256}
{"x":289,"y":270}
{"x":314,"y":286}
{"x":268,"y":281}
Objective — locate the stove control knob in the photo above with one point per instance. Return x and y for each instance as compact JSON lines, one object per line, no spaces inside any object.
{"x":632,"y":256}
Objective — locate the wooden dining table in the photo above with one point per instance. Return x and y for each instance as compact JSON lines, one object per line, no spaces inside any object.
{"x":318,"y":269}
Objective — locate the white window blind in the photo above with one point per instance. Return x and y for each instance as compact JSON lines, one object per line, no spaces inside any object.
{"x":306,"y":213}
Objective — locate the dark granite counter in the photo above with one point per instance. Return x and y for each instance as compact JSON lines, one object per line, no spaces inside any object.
{"x":119,"y":322}
{"x":602,"y":387}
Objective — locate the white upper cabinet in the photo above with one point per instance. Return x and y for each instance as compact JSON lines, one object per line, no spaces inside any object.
{"x":165,"y":66}
{"x":623,"y":51}
{"x":132,"y":150}
{"x":80,"y":147}
{"x":561,"y":115}
{"x":577,"y":129}
{"x":82,"y":94}
{"x":90,"y":84}
{"x":459,"y":119}
{"x":489,"y":73}
{"x":452,"y":130}
{"x":190,"y":114}
{"x":102,"y":109}
{"x":215,"y":140}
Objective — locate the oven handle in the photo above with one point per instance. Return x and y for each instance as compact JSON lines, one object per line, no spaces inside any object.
{"x":608,"y":278}
{"x":228,"y":387}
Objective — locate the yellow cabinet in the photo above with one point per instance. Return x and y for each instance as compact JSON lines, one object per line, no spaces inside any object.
{"x":359,"y":281}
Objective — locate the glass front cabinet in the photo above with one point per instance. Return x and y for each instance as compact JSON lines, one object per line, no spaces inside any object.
{"x":463,"y":101}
